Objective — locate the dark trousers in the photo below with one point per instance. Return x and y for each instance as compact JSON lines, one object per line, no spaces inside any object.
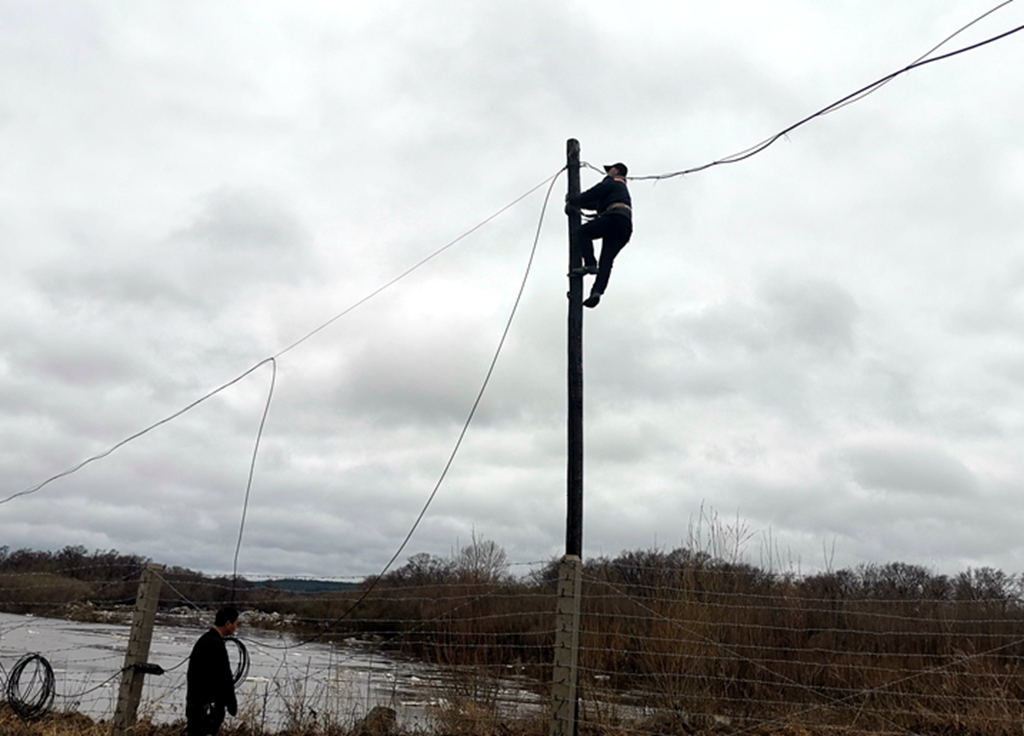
{"x":203,"y":720}
{"x":614,"y":232}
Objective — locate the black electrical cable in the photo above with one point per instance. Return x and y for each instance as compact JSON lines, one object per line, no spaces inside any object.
{"x":862,"y":92}
{"x":32,"y":699}
{"x":79,"y":695}
{"x":927,"y":53}
{"x":171,"y":669}
{"x":242,"y":665}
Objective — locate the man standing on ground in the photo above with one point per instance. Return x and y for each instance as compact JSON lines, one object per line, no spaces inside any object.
{"x":211,"y":686}
{"x":613,"y":225}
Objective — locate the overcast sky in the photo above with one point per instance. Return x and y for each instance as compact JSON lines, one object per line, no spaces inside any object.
{"x":823,"y":344}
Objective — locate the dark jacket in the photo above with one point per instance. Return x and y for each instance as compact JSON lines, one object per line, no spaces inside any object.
{"x":210,"y":680}
{"x":608,"y":191}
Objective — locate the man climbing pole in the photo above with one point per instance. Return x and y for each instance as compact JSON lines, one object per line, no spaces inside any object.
{"x":613,"y":225}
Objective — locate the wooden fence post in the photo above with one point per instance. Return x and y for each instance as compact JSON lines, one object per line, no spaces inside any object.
{"x":567,"y":643}
{"x":143,"y":618}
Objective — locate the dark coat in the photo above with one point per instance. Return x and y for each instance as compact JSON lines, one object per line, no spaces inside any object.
{"x":609,"y":190}
{"x":210,"y":680}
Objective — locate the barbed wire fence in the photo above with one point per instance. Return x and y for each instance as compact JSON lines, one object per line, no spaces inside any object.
{"x":669,"y":644}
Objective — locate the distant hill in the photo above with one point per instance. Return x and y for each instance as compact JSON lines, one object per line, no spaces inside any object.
{"x":301,"y":585}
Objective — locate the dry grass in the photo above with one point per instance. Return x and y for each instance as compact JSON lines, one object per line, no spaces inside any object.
{"x":691,"y":641}
{"x":465,"y":719}
{"x":72,"y":724}
{"x":686,"y":642}
{"x":27,"y":593}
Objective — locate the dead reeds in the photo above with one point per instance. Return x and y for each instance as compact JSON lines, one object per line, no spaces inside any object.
{"x":696,"y":640}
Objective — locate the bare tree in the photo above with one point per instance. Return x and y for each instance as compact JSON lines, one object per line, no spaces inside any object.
{"x":482,"y":561}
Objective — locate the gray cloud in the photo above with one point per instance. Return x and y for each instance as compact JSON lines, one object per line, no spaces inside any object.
{"x":927,"y":471}
{"x":789,"y":313}
{"x":190,"y":189}
{"x":817,"y":314}
{"x":238,"y":242}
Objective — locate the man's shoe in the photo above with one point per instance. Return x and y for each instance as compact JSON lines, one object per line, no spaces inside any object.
{"x":592,"y":301}
{"x":590,"y":270}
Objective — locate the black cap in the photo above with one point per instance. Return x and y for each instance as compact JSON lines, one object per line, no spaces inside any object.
{"x":620,"y":166}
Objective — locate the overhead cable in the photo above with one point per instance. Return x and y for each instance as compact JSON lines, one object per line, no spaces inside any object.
{"x":927,"y":53}
{"x":233,"y":381}
{"x":462,"y":434}
{"x":412,"y":268}
{"x":252,"y":470}
{"x":852,"y":97}
{"x":135,"y":436}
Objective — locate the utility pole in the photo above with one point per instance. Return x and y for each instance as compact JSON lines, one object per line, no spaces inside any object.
{"x":143,"y":618}
{"x":564,"y":691}
{"x":574,"y":484}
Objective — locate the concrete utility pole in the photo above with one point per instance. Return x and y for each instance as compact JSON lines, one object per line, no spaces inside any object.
{"x":564,"y":692}
{"x":143,"y":618}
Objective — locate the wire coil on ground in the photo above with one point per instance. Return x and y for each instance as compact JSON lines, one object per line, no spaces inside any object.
{"x":33,"y":698}
{"x":242,"y":666}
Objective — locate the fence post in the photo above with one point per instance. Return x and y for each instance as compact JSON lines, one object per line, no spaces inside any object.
{"x":567,"y":644}
{"x":143,"y":618}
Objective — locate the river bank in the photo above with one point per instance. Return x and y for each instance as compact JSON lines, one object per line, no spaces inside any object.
{"x":287,"y":682}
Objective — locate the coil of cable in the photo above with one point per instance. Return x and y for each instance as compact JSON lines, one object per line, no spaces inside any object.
{"x":31,"y":687}
{"x":242,"y":665}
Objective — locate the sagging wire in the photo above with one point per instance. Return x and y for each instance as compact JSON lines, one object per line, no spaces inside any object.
{"x":171,"y":669}
{"x":928,"y":53}
{"x":77,"y":697}
{"x":252,"y":470}
{"x":423,"y":262}
{"x":451,"y":458}
{"x":37,"y":703}
{"x":177,"y":592}
{"x":465,"y":426}
{"x":140,"y":433}
{"x":307,"y":336}
{"x":840,"y":103}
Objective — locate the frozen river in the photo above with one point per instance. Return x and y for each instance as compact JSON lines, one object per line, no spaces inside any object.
{"x":285,"y":681}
